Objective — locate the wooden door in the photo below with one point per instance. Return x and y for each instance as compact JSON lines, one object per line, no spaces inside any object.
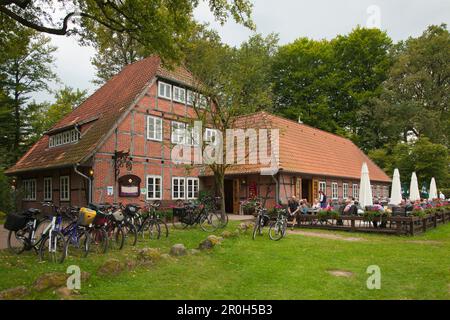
{"x":236,"y":196}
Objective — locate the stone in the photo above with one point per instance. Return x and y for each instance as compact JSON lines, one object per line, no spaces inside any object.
{"x":149,"y":254}
{"x":111,"y":267}
{"x":178,"y":250}
{"x":243,"y":226}
{"x":215,"y":239}
{"x":65,"y":293}
{"x":228,"y":234}
{"x":50,"y":280}
{"x":341,"y":273}
{"x":205,"y":245}
{"x":14,"y":293}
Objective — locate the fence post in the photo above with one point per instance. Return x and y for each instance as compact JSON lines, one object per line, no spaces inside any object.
{"x":411,"y":226}
{"x":353,"y":224}
{"x":424,"y":224}
{"x":435,"y":220}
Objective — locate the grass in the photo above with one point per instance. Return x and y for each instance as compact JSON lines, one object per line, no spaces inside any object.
{"x":293,"y":268}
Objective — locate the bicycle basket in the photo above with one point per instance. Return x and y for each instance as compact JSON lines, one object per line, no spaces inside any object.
{"x":118,"y":215}
{"x":86,"y":216}
{"x":15,"y":222}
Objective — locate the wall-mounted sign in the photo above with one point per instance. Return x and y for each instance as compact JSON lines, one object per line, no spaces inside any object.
{"x":129,"y":186}
{"x":109,"y":190}
{"x":144,"y":191}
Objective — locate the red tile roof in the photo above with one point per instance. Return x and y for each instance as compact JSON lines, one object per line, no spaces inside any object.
{"x":307,"y":150}
{"x":105,"y":107}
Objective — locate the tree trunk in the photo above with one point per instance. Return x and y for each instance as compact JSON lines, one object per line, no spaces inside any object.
{"x":16,"y":127}
{"x":219,"y":177}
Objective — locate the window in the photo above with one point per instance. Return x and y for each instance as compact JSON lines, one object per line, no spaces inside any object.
{"x":355,"y":190}
{"x":29,"y":189}
{"x":178,"y":132}
{"x":334,"y":190}
{"x":192,"y":188}
{"x":179,"y":94}
{"x":178,"y":188}
{"x":202,"y":101}
{"x":64,"y":188}
{"x":154,"y":128}
{"x":323,"y":186}
{"x":345,"y":190}
{"x":190,"y":98}
{"x":48,"y":192}
{"x":62,"y":138}
{"x":192,"y":136}
{"x":210,"y":135}
{"x":154,"y":187}
{"x":164,"y":90}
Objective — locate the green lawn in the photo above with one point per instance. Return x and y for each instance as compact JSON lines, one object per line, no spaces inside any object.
{"x":240,"y":268}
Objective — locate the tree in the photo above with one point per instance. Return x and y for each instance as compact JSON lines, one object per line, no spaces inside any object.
{"x":422,"y":156}
{"x":26,"y":61}
{"x":159,"y":25}
{"x":417,"y":91}
{"x":42,"y":117}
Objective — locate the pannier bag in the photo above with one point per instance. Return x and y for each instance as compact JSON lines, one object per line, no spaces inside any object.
{"x":118,"y":215}
{"x":100,"y":219}
{"x":86,"y":216}
{"x":15,"y":222}
{"x":131,"y":210}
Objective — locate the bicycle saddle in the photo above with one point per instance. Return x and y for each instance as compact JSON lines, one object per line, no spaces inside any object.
{"x":32,"y":211}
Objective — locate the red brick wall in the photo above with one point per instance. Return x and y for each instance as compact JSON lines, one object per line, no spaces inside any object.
{"x":148,"y":157}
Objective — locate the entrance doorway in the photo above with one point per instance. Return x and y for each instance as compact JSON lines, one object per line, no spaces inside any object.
{"x":306,"y":190}
{"x":228,"y":195}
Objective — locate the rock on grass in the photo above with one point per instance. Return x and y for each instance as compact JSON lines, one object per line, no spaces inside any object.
{"x":111,"y":267}
{"x":14,"y":293}
{"x":149,"y":254}
{"x":178,"y":250}
{"x":210,"y":242}
{"x":50,"y":280}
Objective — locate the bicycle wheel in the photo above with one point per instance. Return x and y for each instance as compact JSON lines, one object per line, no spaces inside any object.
{"x":77,"y":243}
{"x":18,"y":241}
{"x":98,"y":240}
{"x":130,"y":233}
{"x":182,"y":222}
{"x":257,"y":227}
{"x":163,"y":227}
{"x":116,"y":238}
{"x":276,"y":230}
{"x":151,"y":229}
{"x":210,"y":222}
{"x":53,"y":249}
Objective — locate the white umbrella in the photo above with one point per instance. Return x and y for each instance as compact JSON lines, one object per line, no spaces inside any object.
{"x":365,"y":190}
{"x":414,"y":193}
{"x":396,"y":191}
{"x":433,"y":190}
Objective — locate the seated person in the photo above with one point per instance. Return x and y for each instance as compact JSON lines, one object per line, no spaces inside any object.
{"x":304,"y":206}
{"x":316,"y":204}
{"x":293,"y":209}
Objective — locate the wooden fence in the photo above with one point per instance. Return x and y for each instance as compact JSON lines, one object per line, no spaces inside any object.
{"x":400,"y":225}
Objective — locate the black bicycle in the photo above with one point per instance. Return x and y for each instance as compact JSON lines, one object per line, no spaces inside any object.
{"x":262,"y":218}
{"x":151,"y":222}
{"x":196,"y":213}
{"x":213,"y":204}
{"x":277,"y":229}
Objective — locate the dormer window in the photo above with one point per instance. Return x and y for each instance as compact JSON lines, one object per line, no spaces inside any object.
{"x":62,"y":138}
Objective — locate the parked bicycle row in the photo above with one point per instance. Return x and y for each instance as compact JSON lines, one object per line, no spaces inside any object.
{"x":99,"y":228}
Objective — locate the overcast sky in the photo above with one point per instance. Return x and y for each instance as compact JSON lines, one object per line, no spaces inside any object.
{"x":291,"y":19}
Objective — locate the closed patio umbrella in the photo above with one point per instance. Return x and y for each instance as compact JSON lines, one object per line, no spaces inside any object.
{"x":396,"y":190}
{"x":433,"y":190}
{"x":365,"y":190}
{"x":414,"y":193}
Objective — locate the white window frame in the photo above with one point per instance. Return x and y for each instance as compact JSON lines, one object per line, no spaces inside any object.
{"x":164,"y":94}
{"x":192,"y":136}
{"x":62,"y":187}
{"x":323,"y":186}
{"x":48,"y":189}
{"x":344,"y":190}
{"x":156,"y":135}
{"x":179,"y":92}
{"x":178,"y":137}
{"x":190,"y":96}
{"x":155,"y":197}
{"x":63,"y":138}
{"x":181,"y":187}
{"x":355,"y":191}
{"x":334,"y":191}
{"x":29,"y":189}
{"x":192,"y":189}
{"x":210,"y":135}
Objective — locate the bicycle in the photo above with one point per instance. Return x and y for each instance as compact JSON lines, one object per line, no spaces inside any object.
{"x":193,"y":214}
{"x":53,"y":245}
{"x":277,"y":229}
{"x":213,"y":204}
{"x":262,"y":218}
{"x":151,"y":221}
{"x":77,"y":235}
{"x":98,"y":237}
{"x":22,"y":234}
{"x":121,"y":216}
